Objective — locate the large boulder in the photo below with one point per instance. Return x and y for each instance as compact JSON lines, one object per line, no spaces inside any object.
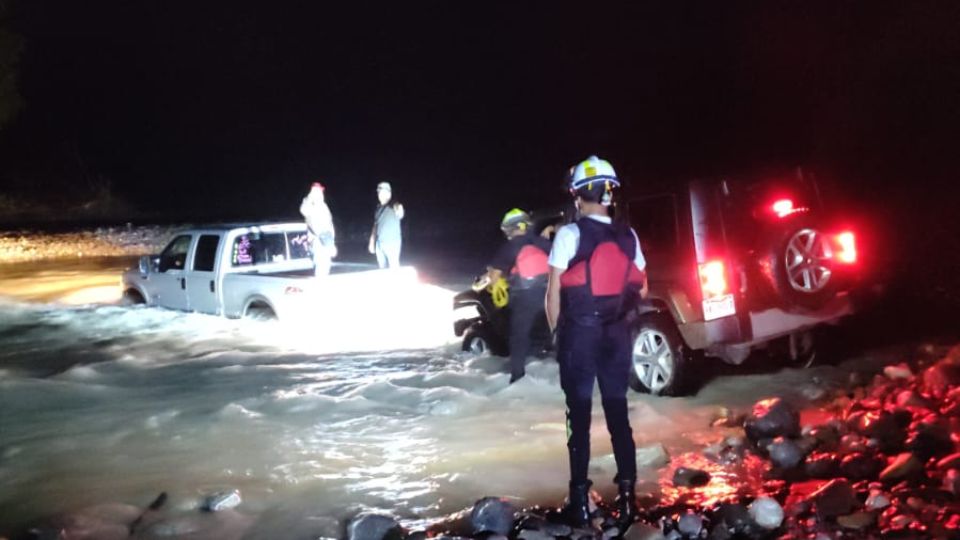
{"x":940,"y":378}
{"x":821,"y":465}
{"x":785,"y":453}
{"x":493,"y":514}
{"x":902,"y":467}
{"x":887,"y":428}
{"x":930,"y":438}
{"x":772,"y":418}
{"x":374,"y":527}
{"x":835,"y":498}
{"x":684,"y":477}
{"x":858,"y":466}
{"x":766,"y":512}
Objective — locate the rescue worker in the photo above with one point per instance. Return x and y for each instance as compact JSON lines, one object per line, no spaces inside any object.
{"x":320,"y":227}
{"x":385,"y":238}
{"x":523,"y":260}
{"x":596,"y":276}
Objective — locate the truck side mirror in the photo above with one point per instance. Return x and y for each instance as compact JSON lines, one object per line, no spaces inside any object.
{"x":149,"y":264}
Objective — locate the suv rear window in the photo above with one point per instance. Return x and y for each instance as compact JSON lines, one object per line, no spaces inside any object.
{"x":655,"y":220}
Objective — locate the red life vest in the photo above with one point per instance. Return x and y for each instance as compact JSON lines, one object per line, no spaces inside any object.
{"x":531,"y":262}
{"x":602,"y":281}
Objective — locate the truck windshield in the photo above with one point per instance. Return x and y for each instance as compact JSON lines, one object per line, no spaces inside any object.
{"x":269,"y":247}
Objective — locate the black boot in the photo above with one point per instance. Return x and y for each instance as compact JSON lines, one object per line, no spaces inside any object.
{"x":626,"y":503}
{"x":577,"y":510}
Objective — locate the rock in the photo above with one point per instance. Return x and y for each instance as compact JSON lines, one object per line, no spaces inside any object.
{"x":736,"y":517}
{"x":903,"y":466}
{"x":643,"y":531}
{"x":884,"y":426}
{"x":493,"y":514}
{"x":858,"y":466}
{"x":373,"y":527}
{"x":555,"y":529}
{"x":223,"y":525}
{"x":821,"y":465}
{"x":827,"y":436}
{"x":857,"y":521}
{"x":771,"y":418}
{"x":784,"y":453}
{"x":930,"y":439}
{"x":813,"y":392}
{"x":899,"y":372}
{"x":766,"y":512}
{"x":877,"y":500}
{"x":909,"y":398}
{"x":852,"y":442}
{"x":690,"y":524}
{"x":950,"y":462}
{"x":653,"y":456}
{"x":221,"y":500}
{"x":684,"y":477}
{"x":940,"y":378}
{"x":835,"y":498}
{"x":533,"y":534}
{"x":951,"y":481}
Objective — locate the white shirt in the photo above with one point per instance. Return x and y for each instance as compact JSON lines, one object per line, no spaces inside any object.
{"x":567,"y":240}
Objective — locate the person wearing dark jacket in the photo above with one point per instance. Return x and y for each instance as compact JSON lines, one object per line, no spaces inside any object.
{"x":386,"y":238}
{"x":596,"y":277}
{"x":522,"y":260}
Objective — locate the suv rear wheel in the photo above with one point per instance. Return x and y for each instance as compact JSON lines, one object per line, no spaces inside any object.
{"x":659,"y":358}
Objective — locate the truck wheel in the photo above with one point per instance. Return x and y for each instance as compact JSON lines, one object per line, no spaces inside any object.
{"x":659,"y":359}
{"x":132,"y":297}
{"x":476,"y":342}
{"x":260,"y":311}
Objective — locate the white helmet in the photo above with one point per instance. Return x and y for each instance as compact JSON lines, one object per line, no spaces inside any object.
{"x":594,"y":179}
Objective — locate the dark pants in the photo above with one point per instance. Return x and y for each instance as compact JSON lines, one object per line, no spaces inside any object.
{"x":588,"y":352}
{"x":526,"y":309}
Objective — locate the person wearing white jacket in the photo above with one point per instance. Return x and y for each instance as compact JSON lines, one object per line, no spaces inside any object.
{"x":320,"y":225}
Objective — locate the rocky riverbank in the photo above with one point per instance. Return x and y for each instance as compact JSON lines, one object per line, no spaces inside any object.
{"x":24,"y":246}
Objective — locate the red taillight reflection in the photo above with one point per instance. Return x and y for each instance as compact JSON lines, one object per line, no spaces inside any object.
{"x":846,"y":248}
{"x":783,"y":207}
{"x":713,"y":279}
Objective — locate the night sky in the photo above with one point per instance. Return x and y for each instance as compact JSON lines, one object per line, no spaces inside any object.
{"x":208,"y":110}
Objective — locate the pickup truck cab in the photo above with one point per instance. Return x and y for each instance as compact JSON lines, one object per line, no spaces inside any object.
{"x":262,"y":271}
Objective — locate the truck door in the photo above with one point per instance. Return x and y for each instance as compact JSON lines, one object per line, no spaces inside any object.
{"x":202,"y":278}
{"x":168,"y":284}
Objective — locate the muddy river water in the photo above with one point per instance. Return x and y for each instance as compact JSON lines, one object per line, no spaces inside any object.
{"x":107,"y":404}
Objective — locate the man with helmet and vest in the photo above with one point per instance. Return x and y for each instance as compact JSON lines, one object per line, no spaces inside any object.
{"x":522,"y":259}
{"x":596,"y":277}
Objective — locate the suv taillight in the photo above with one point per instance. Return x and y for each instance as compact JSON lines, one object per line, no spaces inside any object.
{"x":717,"y":298}
{"x":845,"y":248}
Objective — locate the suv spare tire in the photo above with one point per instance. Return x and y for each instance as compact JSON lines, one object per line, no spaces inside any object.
{"x":799,"y":258}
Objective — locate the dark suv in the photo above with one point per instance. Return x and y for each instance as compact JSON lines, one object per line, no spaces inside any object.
{"x":736,"y":264}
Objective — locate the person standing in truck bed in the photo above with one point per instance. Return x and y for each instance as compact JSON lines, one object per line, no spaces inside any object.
{"x":320,"y":225}
{"x":386,"y":238}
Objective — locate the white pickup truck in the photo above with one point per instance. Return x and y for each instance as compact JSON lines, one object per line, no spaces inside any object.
{"x":266,"y":271}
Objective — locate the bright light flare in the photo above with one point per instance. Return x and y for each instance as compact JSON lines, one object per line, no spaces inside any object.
{"x":846,"y":248}
{"x":365,"y":311}
{"x":785,"y":207}
{"x":713,"y":280}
